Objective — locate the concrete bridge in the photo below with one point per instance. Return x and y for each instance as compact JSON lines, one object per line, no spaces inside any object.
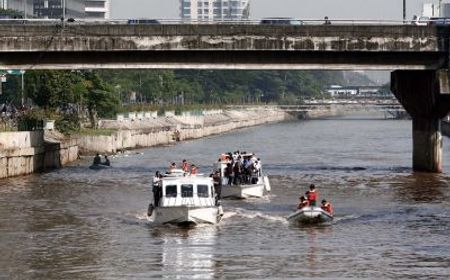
{"x":418,"y":54}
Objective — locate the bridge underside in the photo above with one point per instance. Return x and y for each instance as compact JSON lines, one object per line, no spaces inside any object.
{"x":224,"y":59}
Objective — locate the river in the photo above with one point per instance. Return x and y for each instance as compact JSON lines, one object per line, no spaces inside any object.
{"x":391,"y":223}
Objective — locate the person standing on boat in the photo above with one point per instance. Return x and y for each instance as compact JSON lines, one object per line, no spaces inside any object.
{"x":157,"y":190}
{"x":312,"y":195}
{"x":237,"y":169}
{"x":326,"y":206}
{"x":303,"y":203}
{"x":185,"y":166}
{"x":228,"y":173}
{"x":217,"y":184}
{"x":194,"y":170}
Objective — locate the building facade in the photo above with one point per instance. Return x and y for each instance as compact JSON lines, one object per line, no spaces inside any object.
{"x":98,"y":9}
{"x":18,"y":5}
{"x":54,"y":9}
{"x":214,"y":10}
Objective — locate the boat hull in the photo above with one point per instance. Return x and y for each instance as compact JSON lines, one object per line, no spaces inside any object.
{"x":185,"y":215}
{"x":99,"y":167}
{"x":242,"y":191}
{"x":310,"y":215}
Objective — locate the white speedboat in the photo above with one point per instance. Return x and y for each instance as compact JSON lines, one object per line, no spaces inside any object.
{"x":310,"y":215}
{"x":186,"y":200}
{"x":254,"y":187}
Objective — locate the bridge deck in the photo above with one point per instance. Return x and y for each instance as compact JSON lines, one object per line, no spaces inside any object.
{"x":223,"y":46}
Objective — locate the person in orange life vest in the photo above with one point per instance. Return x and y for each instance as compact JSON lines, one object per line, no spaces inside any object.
{"x":312,"y":195}
{"x":185,"y":166}
{"x":326,"y":206}
{"x":194,"y":170}
{"x":303,"y":202}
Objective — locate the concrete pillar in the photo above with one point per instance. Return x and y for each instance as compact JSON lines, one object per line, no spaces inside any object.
{"x":427,"y":145}
{"x":420,"y":93}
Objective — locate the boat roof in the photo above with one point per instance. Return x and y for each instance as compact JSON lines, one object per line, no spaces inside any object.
{"x":188,"y":180}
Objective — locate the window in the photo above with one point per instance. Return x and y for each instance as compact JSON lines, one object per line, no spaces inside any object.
{"x":171,"y":191}
{"x":202,"y":191}
{"x":187,"y":190}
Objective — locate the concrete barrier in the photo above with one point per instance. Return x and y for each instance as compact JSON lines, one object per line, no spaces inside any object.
{"x":162,"y":130}
{"x":27,"y":152}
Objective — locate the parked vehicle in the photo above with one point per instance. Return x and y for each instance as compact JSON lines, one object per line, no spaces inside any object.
{"x":281,"y":21}
{"x":143,"y":21}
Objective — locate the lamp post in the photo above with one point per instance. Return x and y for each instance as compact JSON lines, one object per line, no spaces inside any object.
{"x":22,"y":90}
{"x":24,"y":9}
{"x":404,"y":11}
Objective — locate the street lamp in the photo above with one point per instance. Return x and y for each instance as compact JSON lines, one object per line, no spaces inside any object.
{"x":63,"y":9}
{"x":404,"y":11}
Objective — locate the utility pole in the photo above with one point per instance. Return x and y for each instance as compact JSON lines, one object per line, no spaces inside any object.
{"x":24,"y":9}
{"x":404,"y":11}
{"x":63,"y":9}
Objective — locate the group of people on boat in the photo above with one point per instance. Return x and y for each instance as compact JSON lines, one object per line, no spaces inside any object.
{"x":241,"y":168}
{"x":310,"y":199}
{"x":98,"y":160}
{"x":188,"y":168}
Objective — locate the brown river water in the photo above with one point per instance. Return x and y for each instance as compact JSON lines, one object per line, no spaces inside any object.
{"x":390,"y":223}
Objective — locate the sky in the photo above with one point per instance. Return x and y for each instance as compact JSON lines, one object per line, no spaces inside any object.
{"x":303,"y":9}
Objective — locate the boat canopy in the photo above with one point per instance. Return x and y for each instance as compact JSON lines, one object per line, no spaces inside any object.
{"x":187,"y":191}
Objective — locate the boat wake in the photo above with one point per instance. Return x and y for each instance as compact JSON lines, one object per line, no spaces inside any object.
{"x":243,"y":213}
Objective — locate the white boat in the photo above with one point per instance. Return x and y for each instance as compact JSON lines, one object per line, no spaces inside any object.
{"x":186,"y":200}
{"x":310,"y":215}
{"x":256,"y":189}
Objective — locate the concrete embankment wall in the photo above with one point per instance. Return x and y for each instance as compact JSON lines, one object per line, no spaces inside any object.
{"x":160,"y":131}
{"x":27,"y":152}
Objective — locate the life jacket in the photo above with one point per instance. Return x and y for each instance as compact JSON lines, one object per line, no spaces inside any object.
{"x":327,"y":207}
{"x":312,"y":195}
{"x":303,"y":204}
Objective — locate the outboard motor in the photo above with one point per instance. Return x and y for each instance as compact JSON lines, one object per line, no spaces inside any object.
{"x":150,"y":210}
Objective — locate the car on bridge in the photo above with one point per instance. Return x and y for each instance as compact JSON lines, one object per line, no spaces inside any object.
{"x":143,"y":21}
{"x":281,"y":21}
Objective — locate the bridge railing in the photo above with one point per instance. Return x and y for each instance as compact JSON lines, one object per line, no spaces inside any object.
{"x":201,"y":22}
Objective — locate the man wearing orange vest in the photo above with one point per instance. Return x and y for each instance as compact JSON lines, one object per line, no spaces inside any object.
{"x":326,"y":206}
{"x":312,"y":195}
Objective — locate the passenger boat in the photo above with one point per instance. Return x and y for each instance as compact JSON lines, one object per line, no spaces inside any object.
{"x":254,"y":186}
{"x":310,"y":214}
{"x":186,"y":200}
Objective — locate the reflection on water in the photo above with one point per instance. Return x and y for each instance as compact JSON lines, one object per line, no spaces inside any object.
{"x":77,"y":223}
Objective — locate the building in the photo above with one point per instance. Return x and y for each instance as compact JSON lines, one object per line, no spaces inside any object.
{"x":18,"y":5}
{"x":98,"y":9}
{"x":214,"y":10}
{"x":59,"y":8}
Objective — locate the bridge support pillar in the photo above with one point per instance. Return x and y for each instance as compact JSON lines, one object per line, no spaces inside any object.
{"x":423,"y":94}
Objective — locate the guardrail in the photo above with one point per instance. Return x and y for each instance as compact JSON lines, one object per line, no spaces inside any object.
{"x":197,"y":22}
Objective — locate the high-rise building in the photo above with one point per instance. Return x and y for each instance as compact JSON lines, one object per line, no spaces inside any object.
{"x":214,"y":10}
{"x":59,"y":8}
{"x":98,"y":9}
